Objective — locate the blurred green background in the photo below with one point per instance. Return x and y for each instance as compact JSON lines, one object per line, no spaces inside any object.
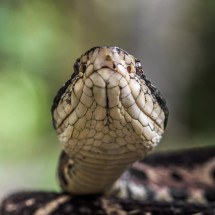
{"x":39,"y":42}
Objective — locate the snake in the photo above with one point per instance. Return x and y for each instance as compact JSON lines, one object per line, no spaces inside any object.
{"x":109,"y":117}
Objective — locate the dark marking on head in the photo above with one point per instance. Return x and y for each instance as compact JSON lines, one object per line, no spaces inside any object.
{"x":179,"y":194}
{"x":68,"y":100}
{"x":83,"y":68}
{"x":76,"y":68}
{"x":176,"y":176}
{"x":138,"y":174}
{"x":57,"y":99}
{"x":63,"y":89}
{"x":119,"y":50}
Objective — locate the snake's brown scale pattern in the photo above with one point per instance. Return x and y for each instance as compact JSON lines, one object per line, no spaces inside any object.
{"x":186,"y":176}
{"x":107,"y":116}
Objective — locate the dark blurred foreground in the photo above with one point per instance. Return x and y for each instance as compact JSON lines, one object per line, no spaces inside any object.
{"x":39,"y":42}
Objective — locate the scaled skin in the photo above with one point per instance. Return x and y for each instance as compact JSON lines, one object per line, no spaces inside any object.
{"x":106,"y":118}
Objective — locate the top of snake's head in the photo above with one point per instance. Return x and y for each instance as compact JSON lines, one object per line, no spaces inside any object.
{"x":113,"y":58}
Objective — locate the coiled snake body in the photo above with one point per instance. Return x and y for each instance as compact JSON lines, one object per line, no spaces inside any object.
{"x":107,"y":116}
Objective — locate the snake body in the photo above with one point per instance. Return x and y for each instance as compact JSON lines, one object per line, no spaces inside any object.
{"x":107,"y":116}
{"x":171,"y":183}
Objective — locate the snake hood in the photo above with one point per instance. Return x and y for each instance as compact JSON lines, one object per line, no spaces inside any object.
{"x":108,"y":110}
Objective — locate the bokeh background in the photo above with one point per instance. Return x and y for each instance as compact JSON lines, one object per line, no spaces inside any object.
{"x":39,"y":42}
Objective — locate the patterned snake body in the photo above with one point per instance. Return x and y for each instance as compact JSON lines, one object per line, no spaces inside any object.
{"x":107,"y":116}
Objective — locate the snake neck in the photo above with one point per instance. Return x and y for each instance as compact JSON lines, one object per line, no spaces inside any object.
{"x":96,"y":175}
{"x":101,"y":152}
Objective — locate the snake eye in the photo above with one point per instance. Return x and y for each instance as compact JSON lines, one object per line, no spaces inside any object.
{"x":129,"y":68}
{"x":138,"y":67}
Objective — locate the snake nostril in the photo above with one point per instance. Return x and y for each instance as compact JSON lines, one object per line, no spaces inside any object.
{"x":108,"y":57}
{"x":129,"y":68}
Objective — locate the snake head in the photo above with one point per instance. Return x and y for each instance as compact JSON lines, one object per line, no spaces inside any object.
{"x":108,"y":93}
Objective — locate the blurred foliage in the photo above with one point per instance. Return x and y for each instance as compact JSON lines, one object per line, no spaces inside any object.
{"x":22,"y":110}
{"x":40,"y":40}
{"x":200,"y":97}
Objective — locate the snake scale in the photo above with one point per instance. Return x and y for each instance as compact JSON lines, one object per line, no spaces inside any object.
{"x":107,"y":116}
